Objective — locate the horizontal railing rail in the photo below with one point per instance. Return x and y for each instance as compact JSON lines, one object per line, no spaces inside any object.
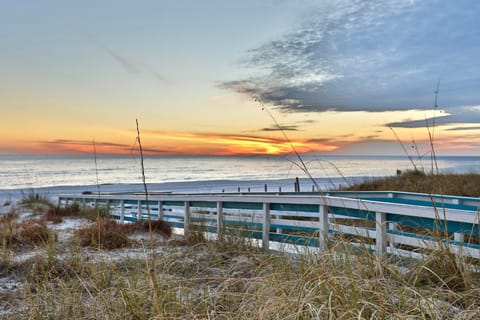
{"x":396,"y":222}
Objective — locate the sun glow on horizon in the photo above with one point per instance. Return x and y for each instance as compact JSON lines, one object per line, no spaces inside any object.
{"x":173,"y":143}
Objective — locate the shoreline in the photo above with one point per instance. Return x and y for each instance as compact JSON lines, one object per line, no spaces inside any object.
{"x":194,"y":186}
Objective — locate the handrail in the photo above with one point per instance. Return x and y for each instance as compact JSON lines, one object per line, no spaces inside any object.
{"x":268,"y":207}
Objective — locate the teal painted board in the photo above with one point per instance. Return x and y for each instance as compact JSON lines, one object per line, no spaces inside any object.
{"x":293,"y":228}
{"x":294,"y":239}
{"x":173,"y":203}
{"x":426,"y":203}
{"x":243,"y":205}
{"x":295,"y":207}
{"x":203,"y":204}
{"x":432,"y":224}
{"x":354,"y":213}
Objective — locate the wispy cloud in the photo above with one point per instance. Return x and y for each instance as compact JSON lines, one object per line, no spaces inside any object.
{"x":461,"y":115}
{"x":374,"y":56}
{"x":281,"y":128}
{"x":130,"y":65}
{"x":85,"y":146}
{"x":464,"y":128}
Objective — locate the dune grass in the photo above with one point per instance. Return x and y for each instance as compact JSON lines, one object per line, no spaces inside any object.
{"x":417,"y":181}
{"x":217,"y":280}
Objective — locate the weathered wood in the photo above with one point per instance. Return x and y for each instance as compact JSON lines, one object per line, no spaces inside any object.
{"x":381,"y":233}
{"x":139,"y":210}
{"x":392,"y":226}
{"x":186,"y":221}
{"x":220,"y":219}
{"x":122,"y":211}
{"x":323,"y":229}
{"x":295,"y":212}
{"x":160,"y":210}
{"x":266,"y":226}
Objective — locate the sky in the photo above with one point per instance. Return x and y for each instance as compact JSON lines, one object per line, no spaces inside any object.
{"x":248,"y":77}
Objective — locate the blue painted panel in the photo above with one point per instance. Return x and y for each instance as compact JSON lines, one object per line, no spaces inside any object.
{"x":243,"y":205}
{"x":355,"y":213}
{"x":427,"y":223}
{"x":294,"y":207}
{"x":173,"y":203}
{"x":425,"y":203}
{"x":294,"y":239}
{"x":203,"y":204}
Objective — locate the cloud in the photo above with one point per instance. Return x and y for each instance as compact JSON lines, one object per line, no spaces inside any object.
{"x":281,"y":128}
{"x":352,"y":55}
{"x":460,"y":115}
{"x":464,"y":128}
{"x":85,"y":146}
{"x":132,"y":66}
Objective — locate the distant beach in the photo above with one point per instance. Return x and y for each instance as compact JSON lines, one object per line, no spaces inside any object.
{"x":53,"y":175}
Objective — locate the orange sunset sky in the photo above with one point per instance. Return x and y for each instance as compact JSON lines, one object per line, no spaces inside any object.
{"x":339,"y":77}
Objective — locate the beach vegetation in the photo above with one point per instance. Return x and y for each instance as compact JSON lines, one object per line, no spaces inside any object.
{"x":213,"y":280}
{"x":56,"y":214}
{"x":467,"y":185}
{"x":105,"y":234}
{"x":23,"y":233}
{"x":35,"y":202}
{"x":154,"y":226}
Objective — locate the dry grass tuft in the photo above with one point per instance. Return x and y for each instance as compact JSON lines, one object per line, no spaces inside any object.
{"x":155,"y":226}
{"x":35,"y":202}
{"x":56,"y":214}
{"x":105,"y":234}
{"x":30,"y":232}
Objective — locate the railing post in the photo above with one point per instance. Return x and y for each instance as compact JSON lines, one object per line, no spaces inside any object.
{"x":279,"y":230}
{"x":186,"y":220}
{"x":220,"y":227}
{"x":393,"y":226}
{"x":122,"y":211}
{"x":459,"y":237}
{"x":160,"y":210}
{"x":139,"y":210}
{"x":266,"y":226}
{"x":381,"y":233}
{"x":323,"y":232}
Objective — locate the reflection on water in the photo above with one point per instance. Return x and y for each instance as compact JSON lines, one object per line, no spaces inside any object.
{"x":27,"y":171}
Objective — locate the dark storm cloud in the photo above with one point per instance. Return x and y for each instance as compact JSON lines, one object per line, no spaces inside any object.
{"x":371,"y":56}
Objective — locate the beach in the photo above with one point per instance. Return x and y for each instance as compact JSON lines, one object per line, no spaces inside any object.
{"x":52,"y":175}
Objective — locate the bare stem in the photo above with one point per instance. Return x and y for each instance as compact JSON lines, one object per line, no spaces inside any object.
{"x":96,"y":166}
{"x":302,"y":164}
{"x":404,"y":149}
{"x":143,"y":168}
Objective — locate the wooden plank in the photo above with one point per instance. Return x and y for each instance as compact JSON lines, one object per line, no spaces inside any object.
{"x":381,"y":233}
{"x":266,"y":226}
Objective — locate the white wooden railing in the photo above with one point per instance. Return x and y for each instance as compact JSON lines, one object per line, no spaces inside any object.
{"x":277,"y":214}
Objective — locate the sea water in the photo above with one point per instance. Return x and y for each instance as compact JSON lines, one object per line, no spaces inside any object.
{"x":40,"y":171}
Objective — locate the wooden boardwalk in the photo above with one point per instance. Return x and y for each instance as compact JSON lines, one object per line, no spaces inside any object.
{"x":391,"y":222}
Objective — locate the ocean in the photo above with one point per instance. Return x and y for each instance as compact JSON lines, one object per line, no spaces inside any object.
{"x":23,"y":172}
